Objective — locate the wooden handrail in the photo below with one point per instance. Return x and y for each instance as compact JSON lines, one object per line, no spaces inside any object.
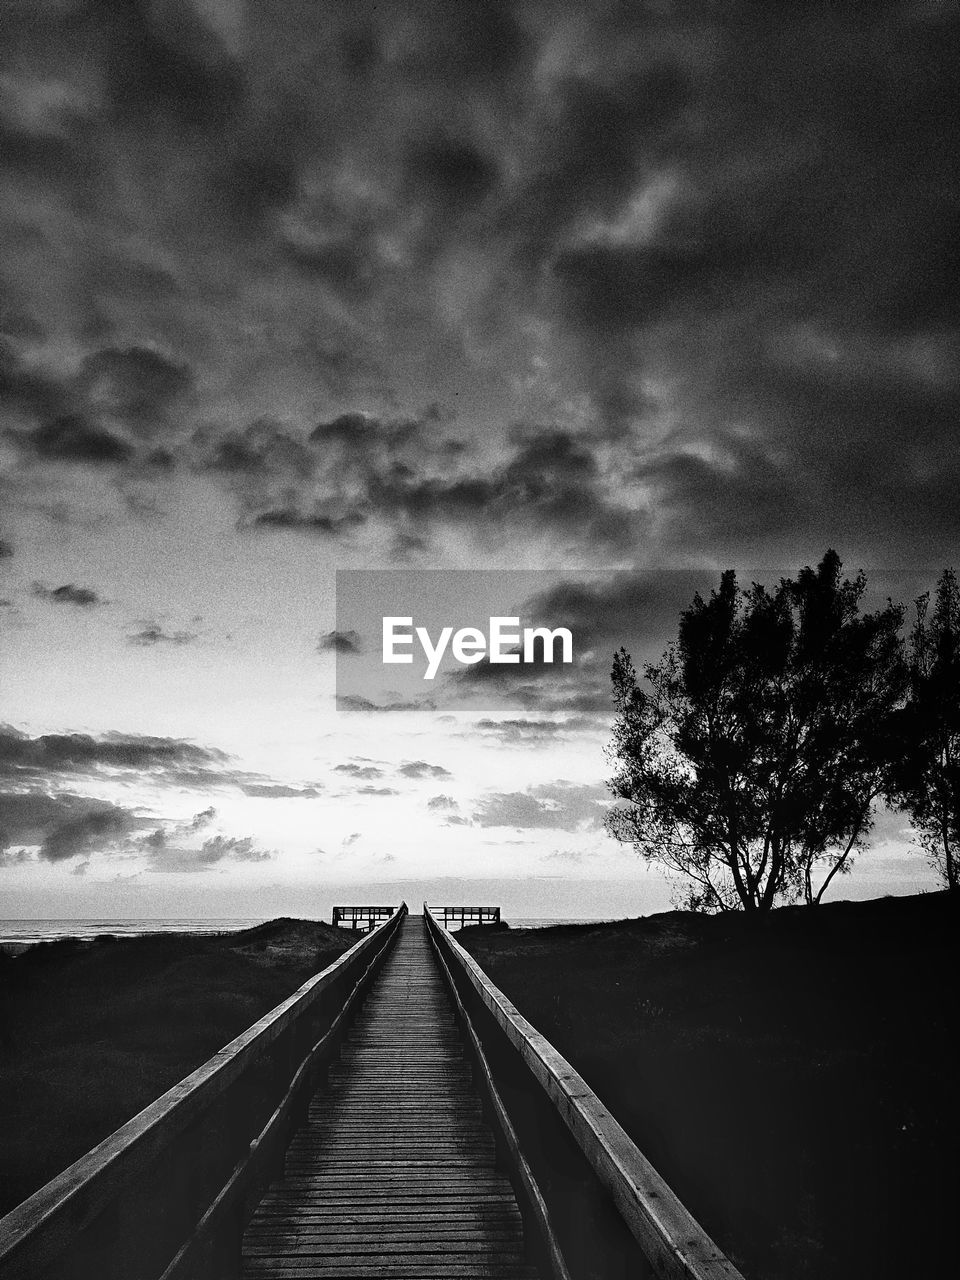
{"x":34,"y":1233}
{"x":670,"y":1238}
{"x":465,"y":915}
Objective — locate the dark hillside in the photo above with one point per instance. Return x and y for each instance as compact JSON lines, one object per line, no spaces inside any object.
{"x":94,"y":1031}
{"x":794,"y":1078}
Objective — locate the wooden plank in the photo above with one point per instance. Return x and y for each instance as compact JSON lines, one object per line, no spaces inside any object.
{"x":394,"y":1172}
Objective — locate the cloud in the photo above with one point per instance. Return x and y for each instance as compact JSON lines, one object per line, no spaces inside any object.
{"x":96,"y":831}
{"x":250,"y":457}
{"x":420,"y":769}
{"x":64,"y":824}
{"x":685,"y":309}
{"x":278,"y":791}
{"x":366,"y":771}
{"x":201,"y":819}
{"x":135,"y":384}
{"x":452,"y":172}
{"x":339,"y":642}
{"x":442,"y":802}
{"x":314,"y":520}
{"x":166,"y":857}
{"x":356,"y":702}
{"x":14,"y":857}
{"x":6,"y":549}
{"x":153,"y":634}
{"x":550,"y":481}
{"x":561,"y":806}
{"x":239,"y":849}
{"x":83,"y":597}
{"x":572,"y":856}
{"x":376,"y":791}
{"x":54,"y":754}
{"x":533,"y":733}
{"x":55,"y":760}
{"x":73,"y":438}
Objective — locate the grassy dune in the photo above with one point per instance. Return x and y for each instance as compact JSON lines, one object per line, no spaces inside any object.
{"x":794,"y":1079}
{"x":90,"y":1033}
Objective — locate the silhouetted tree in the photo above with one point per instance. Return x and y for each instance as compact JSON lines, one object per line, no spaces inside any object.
{"x":926,"y":778}
{"x":756,"y":753}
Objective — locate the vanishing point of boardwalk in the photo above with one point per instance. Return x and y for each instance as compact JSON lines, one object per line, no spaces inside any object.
{"x":395,"y":1172}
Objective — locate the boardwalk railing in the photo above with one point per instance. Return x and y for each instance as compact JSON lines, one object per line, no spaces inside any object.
{"x":593,"y":1201}
{"x":168,"y":1194}
{"x":360,"y":917}
{"x":465,"y":915}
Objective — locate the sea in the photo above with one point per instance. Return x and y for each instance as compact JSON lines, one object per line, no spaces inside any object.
{"x":23,"y":933}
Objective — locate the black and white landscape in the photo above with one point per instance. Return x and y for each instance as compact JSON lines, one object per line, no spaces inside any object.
{"x":295,"y":287}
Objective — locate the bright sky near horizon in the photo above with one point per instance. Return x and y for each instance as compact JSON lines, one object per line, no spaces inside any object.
{"x":289,"y":288}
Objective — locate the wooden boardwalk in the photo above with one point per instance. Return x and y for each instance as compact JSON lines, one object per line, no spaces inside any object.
{"x":394,"y":1174}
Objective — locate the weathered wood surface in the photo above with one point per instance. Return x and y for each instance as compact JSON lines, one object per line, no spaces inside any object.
{"x":394,"y":1174}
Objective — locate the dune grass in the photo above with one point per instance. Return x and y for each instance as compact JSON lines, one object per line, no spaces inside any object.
{"x":94,"y":1031}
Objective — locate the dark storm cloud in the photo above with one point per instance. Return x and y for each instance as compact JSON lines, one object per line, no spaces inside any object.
{"x":613,"y":288}
{"x":711,"y":250}
{"x":6,"y":549}
{"x":25,"y":388}
{"x":75,"y":438}
{"x":550,"y":480}
{"x":479,"y":42}
{"x":83,"y":597}
{"x":339,"y":642}
{"x":165,"y":59}
{"x":261,"y":449}
{"x":596,"y":138}
{"x":134,"y":383}
{"x":451,"y":172}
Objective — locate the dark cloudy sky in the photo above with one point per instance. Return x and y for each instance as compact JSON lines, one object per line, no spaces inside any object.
{"x":288,"y":287}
